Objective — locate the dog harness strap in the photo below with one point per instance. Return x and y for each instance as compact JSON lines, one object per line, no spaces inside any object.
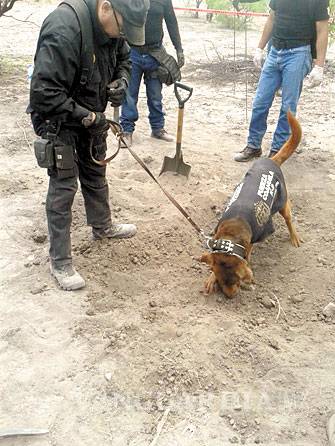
{"x":228,"y":247}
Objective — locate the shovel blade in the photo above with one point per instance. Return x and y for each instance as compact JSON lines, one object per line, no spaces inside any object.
{"x":175,"y":165}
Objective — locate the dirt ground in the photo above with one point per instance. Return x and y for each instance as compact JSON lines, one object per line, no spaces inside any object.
{"x":142,"y":356}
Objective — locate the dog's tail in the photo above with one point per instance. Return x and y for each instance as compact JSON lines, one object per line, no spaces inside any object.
{"x":289,"y":147}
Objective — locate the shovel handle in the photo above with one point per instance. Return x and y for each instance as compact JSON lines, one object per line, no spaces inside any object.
{"x":182,"y":101}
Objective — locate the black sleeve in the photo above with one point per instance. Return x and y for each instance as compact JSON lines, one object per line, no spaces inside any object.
{"x":57,"y":63}
{"x":123,"y":63}
{"x":272,"y":5}
{"x":321,"y":10}
{"x":172,"y":25}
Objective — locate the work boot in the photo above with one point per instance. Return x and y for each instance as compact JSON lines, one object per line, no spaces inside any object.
{"x":161,"y":134}
{"x":128,"y":138}
{"x":67,"y":277}
{"x":116,"y":231}
{"x":247,"y":154}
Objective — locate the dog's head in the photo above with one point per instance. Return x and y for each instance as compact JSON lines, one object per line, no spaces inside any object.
{"x":229,"y":271}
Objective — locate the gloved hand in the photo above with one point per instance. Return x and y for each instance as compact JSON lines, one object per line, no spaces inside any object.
{"x":94,"y":120}
{"x":180,"y":58}
{"x":259,"y":58}
{"x":96,"y":123}
{"x":315,"y":77}
{"x":116,"y":91}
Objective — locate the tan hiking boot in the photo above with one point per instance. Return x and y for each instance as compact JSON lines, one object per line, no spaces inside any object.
{"x":162,"y":135}
{"x":67,"y":277}
{"x":116,"y":231}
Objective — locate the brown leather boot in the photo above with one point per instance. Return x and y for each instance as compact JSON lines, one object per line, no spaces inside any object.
{"x":247,"y":154}
{"x":161,"y":134}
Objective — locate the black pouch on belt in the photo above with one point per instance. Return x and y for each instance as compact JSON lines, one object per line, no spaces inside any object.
{"x":44,"y":153}
{"x":64,"y":159}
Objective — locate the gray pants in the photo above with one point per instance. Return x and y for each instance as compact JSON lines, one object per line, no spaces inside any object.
{"x":63,"y":186}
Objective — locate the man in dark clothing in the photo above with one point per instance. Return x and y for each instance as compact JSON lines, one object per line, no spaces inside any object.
{"x":144,"y":63}
{"x":67,"y":106}
{"x":297,"y":28}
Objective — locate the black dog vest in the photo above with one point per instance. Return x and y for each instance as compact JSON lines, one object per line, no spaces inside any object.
{"x":260,"y":195}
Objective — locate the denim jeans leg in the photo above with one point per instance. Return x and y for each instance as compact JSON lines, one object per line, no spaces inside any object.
{"x":154,"y":95}
{"x":269,"y":83}
{"x":129,"y":112}
{"x":155,"y":105}
{"x":296,"y":65}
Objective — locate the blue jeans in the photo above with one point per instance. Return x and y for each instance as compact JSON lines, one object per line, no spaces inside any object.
{"x":142,"y":64}
{"x":287,"y":69}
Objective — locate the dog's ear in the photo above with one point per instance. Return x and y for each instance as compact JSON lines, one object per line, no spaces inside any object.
{"x":244,"y":273}
{"x":206,"y":258}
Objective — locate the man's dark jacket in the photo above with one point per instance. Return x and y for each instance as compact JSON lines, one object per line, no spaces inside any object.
{"x":55,"y":90}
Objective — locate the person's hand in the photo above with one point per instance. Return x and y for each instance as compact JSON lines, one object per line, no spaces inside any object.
{"x":315,"y":77}
{"x":116,"y":91}
{"x":94,"y":120}
{"x":180,"y":58}
{"x":259,"y":58}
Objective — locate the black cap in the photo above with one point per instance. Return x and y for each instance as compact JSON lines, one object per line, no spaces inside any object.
{"x":134,"y":14}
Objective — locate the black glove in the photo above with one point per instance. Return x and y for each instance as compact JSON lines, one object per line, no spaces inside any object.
{"x":95,"y":122}
{"x":181,"y":58}
{"x":116,"y":92}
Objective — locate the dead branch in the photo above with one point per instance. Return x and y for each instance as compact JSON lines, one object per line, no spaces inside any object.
{"x":160,"y":426}
{"x":280,"y":309}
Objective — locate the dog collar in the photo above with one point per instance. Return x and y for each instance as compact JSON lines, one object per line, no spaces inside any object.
{"x":224,"y":246}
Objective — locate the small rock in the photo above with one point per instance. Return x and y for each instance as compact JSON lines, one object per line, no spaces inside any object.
{"x":233,"y":440}
{"x":274,"y":344}
{"x":153,"y":304}
{"x":39,"y":237}
{"x":298,"y":298}
{"x":329,"y":310}
{"x":148,"y":159}
{"x":90,"y":312}
{"x":267,"y":302}
{"x":108,"y":376}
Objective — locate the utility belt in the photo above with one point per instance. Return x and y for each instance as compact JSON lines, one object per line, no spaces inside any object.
{"x":54,"y":154}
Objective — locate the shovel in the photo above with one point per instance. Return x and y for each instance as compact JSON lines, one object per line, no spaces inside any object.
{"x":177,"y":164}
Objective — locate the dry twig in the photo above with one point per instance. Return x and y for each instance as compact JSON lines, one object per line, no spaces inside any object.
{"x":280,"y":308}
{"x":160,"y":426}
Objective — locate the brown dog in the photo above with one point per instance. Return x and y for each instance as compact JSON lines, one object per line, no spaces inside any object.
{"x":247,"y":219}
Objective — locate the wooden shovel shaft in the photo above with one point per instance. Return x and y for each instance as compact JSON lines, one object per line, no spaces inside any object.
{"x":179,"y":130}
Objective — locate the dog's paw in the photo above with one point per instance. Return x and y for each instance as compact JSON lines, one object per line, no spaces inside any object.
{"x":296,"y":241}
{"x":211,"y":284}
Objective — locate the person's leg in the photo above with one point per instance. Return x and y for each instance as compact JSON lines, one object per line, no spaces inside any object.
{"x":154,"y":94}
{"x":94,"y":187}
{"x":62,"y":189}
{"x":296,"y":64}
{"x":129,"y":112}
{"x":59,"y":202}
{"x":269,"y":82}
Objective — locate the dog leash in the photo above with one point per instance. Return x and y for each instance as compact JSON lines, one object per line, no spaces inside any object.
{"x":117,"y":131}
{"x":219,"y":246}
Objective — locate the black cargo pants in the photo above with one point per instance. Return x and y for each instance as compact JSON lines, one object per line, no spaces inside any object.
{"x":63,"y":185}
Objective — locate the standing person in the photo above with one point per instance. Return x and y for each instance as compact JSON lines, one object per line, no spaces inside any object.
{"x":67,"y":104}
{"x":298,"y":28}
{"x":145,"y":63}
